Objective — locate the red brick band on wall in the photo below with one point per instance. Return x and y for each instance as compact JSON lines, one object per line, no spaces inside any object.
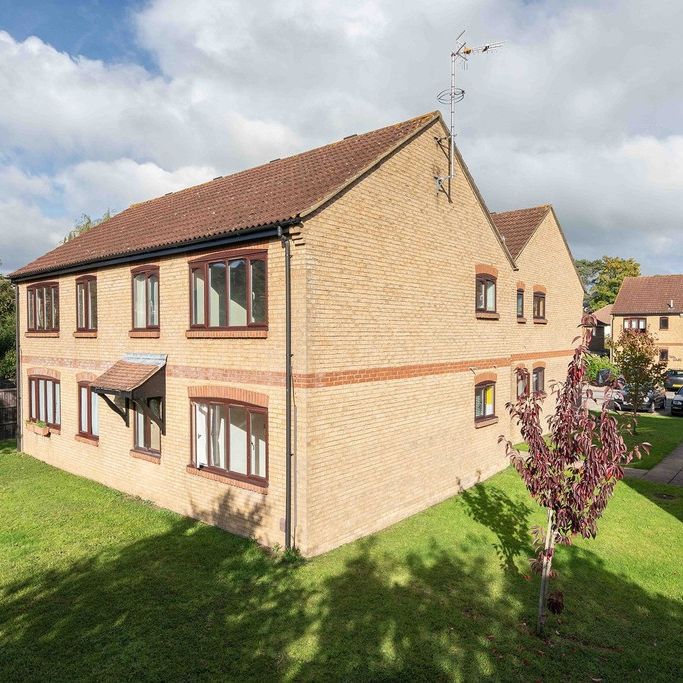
{"x":230,"y":393}
{"x":317,"y":380}
{"x":485,"y":269}
{"x":45,"y":372}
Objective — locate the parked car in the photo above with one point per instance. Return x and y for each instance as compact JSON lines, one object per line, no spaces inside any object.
{"x":673,"y":380}
{"x":654,"y":400}
{"x":677,"y":403}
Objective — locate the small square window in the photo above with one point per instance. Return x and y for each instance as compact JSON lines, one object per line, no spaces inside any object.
{"x":664,"y":323}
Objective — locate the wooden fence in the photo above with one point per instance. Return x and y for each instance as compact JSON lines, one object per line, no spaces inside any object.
{"x":8,"y":410}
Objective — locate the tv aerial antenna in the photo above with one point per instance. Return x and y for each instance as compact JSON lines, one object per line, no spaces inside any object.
{"x":453,"y":95}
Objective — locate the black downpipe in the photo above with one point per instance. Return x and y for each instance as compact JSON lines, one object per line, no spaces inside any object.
{"x":17,"y":346}
{"x":288,"y":391}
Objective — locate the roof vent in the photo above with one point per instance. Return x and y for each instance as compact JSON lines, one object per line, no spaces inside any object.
{"x":353,"y":135}
{"x":218,"y":177}
{"x":272,"y":160}
{"x":671,"y":303}
{"x":166,"y":195}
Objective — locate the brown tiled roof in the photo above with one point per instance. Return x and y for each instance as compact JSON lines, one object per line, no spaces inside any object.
{"x":604,"y":314}
{"x":273,"y":193}
{"x":650,"y":294}
{"x":125,"y":376}
{"x":519,"y":225}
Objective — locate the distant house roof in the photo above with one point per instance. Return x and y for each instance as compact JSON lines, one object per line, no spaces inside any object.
{"x":650,"y":295}
{"x":519,"y":225}
{"x":604,"y":314}
{"x":277,"y":192}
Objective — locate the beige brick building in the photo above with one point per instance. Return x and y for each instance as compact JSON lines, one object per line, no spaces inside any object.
{"x":653,"y":303}
{"x":154,"y":347}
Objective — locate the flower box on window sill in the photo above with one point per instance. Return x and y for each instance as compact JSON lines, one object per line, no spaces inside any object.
{"x":487,"y":315}
{"x":85,"y":334}
{"x":521,"y":319}
{"x":485,"y":422}
{"x":540,"y":321}
{"x":40,"y":430}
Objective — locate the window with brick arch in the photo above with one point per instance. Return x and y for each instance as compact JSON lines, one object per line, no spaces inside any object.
{"x":664,"y":322}
{"x":538,"y":380}
{"x":635,"y":324}
{"x":146,"y":432}
{"x":88,"y":412}
{"x":86,"y":304}
{"x":231,"y":438}
{"x":484,"y":400}
{"x":44,"y":395}
{"x":664,"y":355}
{"x":539,"y":306}
{"x":486,"y":294}
{"x":145,"y":298}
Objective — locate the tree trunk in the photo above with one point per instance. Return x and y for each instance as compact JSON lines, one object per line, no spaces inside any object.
{"x":548,"y":550}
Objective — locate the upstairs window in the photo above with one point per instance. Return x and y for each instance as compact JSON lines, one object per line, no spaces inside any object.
{"x":635,"y":324}
{"x":44,"y":400}
{"x":88,"y":415}
{"x":484,"y":400}
{"x":229,"y":292}
{"x":539,"y":306}
{"x":43,"y":307}
{"x":486,"y":294}
{"x":231,"y":437}
{"x":520,"y":303}
{"x":146,"y":298}
{"x":538,"y":380}
{"x":664,"y":323}
{"x":86,"y":304}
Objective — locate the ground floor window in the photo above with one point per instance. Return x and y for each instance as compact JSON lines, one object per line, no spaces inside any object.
{"x":522,"y":382}
{"x":538,"y":380}
{"x":44,"y":401}
{"x":484,"y":400}
{"x":232,"y":437}
{"x":663,"y":355}
{"x":88,"y":419}
{"x":147,"y":435}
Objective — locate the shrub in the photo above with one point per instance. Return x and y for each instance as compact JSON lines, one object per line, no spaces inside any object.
{"x":596,"y":363}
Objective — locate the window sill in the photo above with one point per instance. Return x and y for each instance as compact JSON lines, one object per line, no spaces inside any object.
{"x":521,"y":319}
{"x":540,"y":321}
{"x":227,"y":479}
{"x":487,"y":315}
{"x":83,"y":334}
{"x":90,"y":440}
{"x":41,"y":334}
{"x":143,"y":334}
{"x":478,"y":424}
{"x":226,"y":334}
{"x":146,"y":455}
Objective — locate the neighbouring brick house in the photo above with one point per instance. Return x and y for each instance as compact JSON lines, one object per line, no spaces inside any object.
{"x":155,"y":345}
{"x":654,"y":303}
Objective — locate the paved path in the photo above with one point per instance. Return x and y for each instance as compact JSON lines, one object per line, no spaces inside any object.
{"x":669,"y":471}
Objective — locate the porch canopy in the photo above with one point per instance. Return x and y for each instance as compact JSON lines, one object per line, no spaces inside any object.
{"x":137,"y":377}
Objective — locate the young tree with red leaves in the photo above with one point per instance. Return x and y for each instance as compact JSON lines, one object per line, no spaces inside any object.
{"x":574,"y":472}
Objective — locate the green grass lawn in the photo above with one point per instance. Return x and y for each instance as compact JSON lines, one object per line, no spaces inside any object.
{"x":95,"y":585}
{"x":664,"y":432}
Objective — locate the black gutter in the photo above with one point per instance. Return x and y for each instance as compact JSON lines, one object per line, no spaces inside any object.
{"x":225,"y":240}
{"x":17,"y":347}
{"x":286,"y":240}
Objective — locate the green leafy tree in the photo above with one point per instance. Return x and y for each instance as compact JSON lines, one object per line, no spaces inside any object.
{"x":85,"y":223}
{"x":636,"y":354}
{"x":8,"y":361}
{"x":602,"y":278}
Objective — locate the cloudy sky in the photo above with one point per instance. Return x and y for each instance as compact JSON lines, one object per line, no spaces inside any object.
{"x":105,"y":102}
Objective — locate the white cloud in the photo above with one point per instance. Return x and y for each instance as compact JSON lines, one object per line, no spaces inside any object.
{"x":582,"y":107}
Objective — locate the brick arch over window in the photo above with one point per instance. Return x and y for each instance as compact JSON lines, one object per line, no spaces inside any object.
{"x":485,"y":377}
{"x":44,"y":372}
{"x":230,"y":393}
{"x":539,"y":364}
{"x":485,"y":269}
{"x":521,"y":285}
{"x":540,"y":289}
{"x":85,"y":376}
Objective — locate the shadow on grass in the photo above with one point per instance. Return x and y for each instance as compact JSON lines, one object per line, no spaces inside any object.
{"x":668,"y":498}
